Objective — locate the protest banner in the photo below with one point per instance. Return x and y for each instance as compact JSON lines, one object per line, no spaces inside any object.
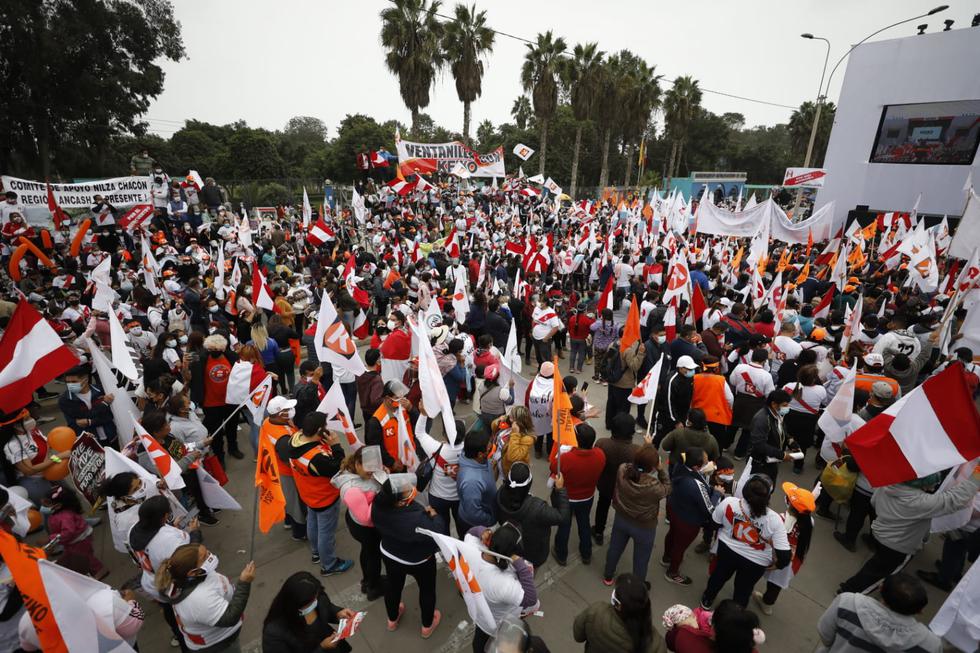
{"x":805,"y":177}
{"x":443,"y":158}
{"x":87,"y":466}
{"x":118,"y":191}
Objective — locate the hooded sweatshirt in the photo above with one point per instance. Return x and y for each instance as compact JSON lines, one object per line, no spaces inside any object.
{"x":855,"y":623}
{"x":639,"y":501}
{"x":904,"y":513}
{"x":534,"y":517}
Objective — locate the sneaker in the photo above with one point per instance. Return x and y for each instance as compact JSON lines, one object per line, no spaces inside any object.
{"x":45,"y":420}
{"x":934,"y":579}
{"x":338,"y":567}
{"x":436,"y":618}
{"x":374,"y":593}
{"x":763,"y":606}
{"x":701,"y":547}
{"x":207,"y":519}
{"x":844,"y":542}
{"x":236,"y":454}
{"x":739,"y":457}
{"x":608,"y":582}
{"x":315,"y":558}
{"x":174,"y":643}
{"x":286,"y":526}
{"x":677,"y":579}
{"x":598,"y":537}
{"x":664,"y":563}
{"x":587,"y":560}
{"x":299,"y":538}
{"x":393,"y":625}
{"x":705,"y":605}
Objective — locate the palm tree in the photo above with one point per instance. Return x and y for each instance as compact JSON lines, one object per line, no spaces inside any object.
{"x":641,"y":95}
{"x":521,"y":111}
{"x":582,"y":74}
{"x":680,"y":105}
{"x":539,"y":77}
{"x":412,"y":36}
{"x":466,"y":40}
{"x":485,"y":134}
{"x":800,"y":124}
{"x":609,"y":109}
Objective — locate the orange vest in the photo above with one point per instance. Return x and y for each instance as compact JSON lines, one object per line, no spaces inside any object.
{"x":273,"y":432}
{"x":315,"y":491}
{"x":709,"y":396}
{"x":389,"y":427}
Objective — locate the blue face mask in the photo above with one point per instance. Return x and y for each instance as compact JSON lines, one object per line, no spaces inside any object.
{"x":74,"y":388}
{"x":47,"y":510}
{"x":784,"y":410}
{"x":305,"y":610}
{"x":688,"y":373}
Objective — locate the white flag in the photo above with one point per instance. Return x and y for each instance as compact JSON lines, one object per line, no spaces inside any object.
{"x":214,"y":495}
{"x":121,"y":358}
{"x":406,"y":445}
{"x":219,"y":273}
{"x":83,"y":609}
{"x":434,"y":393}
{"x":334,"y":406}
{"x":124,"y":411}
{"x":461,"y":300}
{"x":537,"y":179}
{"x":21,"y":506}
{"x":150,"y":266}
{"x":460,"y":556}
{"x":121,"y":522}
{"x":332,"y":342}
{"x":245,"y":232}
{"x":646,"y":390}
{"x":307,"y":210}
{"x":357,"y":203}
{"x":239,"y":385}
{"x":523,"y":152}
{"x":838,"y":420}
{"x":552,"y":186}
{"x":460,"y":170}
{"x":258,"y":398}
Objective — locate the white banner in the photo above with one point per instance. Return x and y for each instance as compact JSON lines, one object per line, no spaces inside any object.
{"x":429,"y":158}
{"x":717,"y":221}
{"x":805,"y":177}
{"x":118,"y":191}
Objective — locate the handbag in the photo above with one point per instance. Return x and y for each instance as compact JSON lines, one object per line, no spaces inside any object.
{"x":425,"y":471}
{"x":838,"y":481}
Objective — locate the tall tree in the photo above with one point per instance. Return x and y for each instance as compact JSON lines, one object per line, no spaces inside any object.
{"x":521,"y":111}
{"x":465,"y":42}
{"x":582,"y":74}
{"x":412,"y":35}
{"x":485,"y":134}
{"x":680,"y":106}
{"x":76,"y":74}
{"x":641,"y":95}
{"x":614,"y":75}
{"x":800,"y":125}
{"x":539,"y":77}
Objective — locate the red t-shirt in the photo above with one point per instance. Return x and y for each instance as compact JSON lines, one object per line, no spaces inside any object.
{"x":581,"y":469}
{"x":216,"y":372}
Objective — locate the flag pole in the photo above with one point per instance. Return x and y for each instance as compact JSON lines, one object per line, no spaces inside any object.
{"x":255,"y":520}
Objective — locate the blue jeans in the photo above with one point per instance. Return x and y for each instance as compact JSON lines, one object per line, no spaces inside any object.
{"x":321,"y":529}
{"x":581,"y":513}
{"x":578,"y":354}
{"x":643,"y":539}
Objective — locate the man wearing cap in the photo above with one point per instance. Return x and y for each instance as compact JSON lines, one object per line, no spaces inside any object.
{"x":86,"y":407}
{"x":276,"y":429}
{"x":315,"y":456}
{"x":382,"y":427}
{"x":676,"y":398}
{"x":871,"y":372}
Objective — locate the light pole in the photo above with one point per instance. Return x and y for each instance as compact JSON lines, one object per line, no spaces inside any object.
{"x":822,"y":91}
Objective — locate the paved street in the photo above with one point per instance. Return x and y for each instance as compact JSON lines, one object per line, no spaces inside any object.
{"x":564,"y":592}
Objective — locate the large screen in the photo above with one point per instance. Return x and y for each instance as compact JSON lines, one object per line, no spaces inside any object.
{"x":940,"y":133}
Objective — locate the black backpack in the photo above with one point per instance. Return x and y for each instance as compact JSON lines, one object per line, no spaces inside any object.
{"x":612,"y":364}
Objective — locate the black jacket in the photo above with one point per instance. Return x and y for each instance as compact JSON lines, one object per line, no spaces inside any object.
{"x":100,"y":414}
{"x":691,"y":500}
{"x":497,"y":326}
{"x":767,"y":438}
{"x":677,"y":399}
{"x":396,"y":526}
{"x":281,"y":637}
{"x":535,"y":518}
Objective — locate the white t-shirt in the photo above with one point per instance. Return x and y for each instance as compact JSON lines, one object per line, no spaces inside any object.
{"x":783,"y":349}
{"x":501,"y":588}
{"x":812,"y":398}
{"x":544,"y":320}
{"x":750,"y":379}
{"x":202,"y":609}
{"x":443,"y":484}
{"x":161,"y":547}
{"x":753,"y":538}
{"x":21,"y":447}
{"x":623,"y":275}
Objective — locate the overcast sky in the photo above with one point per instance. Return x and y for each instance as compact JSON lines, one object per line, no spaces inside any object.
{"x":265,"y":61}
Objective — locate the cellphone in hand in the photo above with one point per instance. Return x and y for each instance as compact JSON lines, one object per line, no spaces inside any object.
{"x":585,"y":387}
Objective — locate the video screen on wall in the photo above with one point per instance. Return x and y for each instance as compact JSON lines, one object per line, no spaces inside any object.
{"x":939,"y":133}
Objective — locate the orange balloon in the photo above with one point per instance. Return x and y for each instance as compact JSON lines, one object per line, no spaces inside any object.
{"x":34,"y":519}
{"x":57,"y":471}
{"x":60,"y":438}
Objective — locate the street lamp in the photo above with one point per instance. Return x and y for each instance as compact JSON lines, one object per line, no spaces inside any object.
{"x":823,"y":91}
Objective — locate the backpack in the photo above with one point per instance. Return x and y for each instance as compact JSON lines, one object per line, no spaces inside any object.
{"x":612,"y":367}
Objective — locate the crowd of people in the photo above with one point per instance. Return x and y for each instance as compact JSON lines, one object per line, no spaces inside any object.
{"x":502,"y":286}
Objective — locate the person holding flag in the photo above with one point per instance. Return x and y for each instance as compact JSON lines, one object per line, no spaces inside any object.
{"x":580,"y":466}
{"x":211,"y":374}
{"x":315,"y":456}
{"x":275,"y":432}
{"x":382,"y":428}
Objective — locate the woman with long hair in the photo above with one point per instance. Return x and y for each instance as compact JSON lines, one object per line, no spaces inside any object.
{"x":169,"y":350}
{"x":808,"y":398}
{"x":358,"y":488}
{"x":751,"y":534}
{"x":640,"y":486}
{"x":623,"y":624}
{"x":604,"y":332}
{"x":520,"y":438}
{"x":300,"y":618}
{"x":208,"y":606}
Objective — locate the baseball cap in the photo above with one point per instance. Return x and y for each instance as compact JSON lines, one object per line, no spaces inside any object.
{"x":874,"y":360}
{"x":802,"y":500}
{"x":687,"y":363}
{"x":279,"y":403}
{"x":882,"y":390}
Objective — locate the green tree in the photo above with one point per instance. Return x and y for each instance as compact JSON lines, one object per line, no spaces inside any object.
{"x":465,"y":42}
{"x":800,"y":125}
{"x":301,"y":138}
{"x":76,"y":74}
{"x":539,"y":77}
{"x":254,"y":156}
{"x":582,"y":74}
{"x":412,"y":35}
{"x":614,"y":77}
{"x":356,"y":132}
{"x":680,"y":106}
{"x":521,"y":111}
{"x":486,"y":135}
{"x":640,"y":96}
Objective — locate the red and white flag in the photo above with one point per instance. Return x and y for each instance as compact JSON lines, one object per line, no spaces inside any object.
{"x":333,"y":344}
{"x":261,"y":294}
{"x":670,"y":323}
{"x":31,"y":355}
{"x":320,"y":233}
{"x":135,"y":217}
{"x":646,"y":390}
{"x":969,"y":277}
{"x":194,"y":179}
{"x":165,"y":463}
{"x":460,"y":556}
{"x":339,"y":419}
{"x":378,"y":160}
{"x":822,"y":309}
{"x":606,"y":298}
{"x":461,"y":300}
{"x":57,"y":213}
{"x":401,"y":186}
{"x":933,"y":428}
{"x":852,"y":322}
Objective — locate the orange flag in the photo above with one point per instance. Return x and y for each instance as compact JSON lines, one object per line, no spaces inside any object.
{"x":631,"y":332}
{"x":869,"y":232}
{"x":804,"y":275}
{"x":272,"y":503}
{"x":562,"y":428}
{"x":22,"y":559}
{"x":737,"y":261}
{"x":783,"y":260}
{"x":809,"y":242}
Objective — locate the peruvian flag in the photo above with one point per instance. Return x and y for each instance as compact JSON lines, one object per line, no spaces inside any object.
{"x":891,"y":257}
{"x":823,"y":308}
{"x":606,"y":298}
{"x":452,"y":244}
{"x":261,"y":294}
{"x":421,"y":184}
{"x":350,"y":282}
{"x":135,"y":217}
{"x":933,"y":428}
{"x":165,"y":463}
{"x":401,"y":186}
{"x":31,"y":354}
{"x":56,"y":211}
{"x":193,"y":179}
{"x":670,"y":323}
{"x":378,"y":160}
{"x":320,"y":233}
{"x":362,"y":328}
{"x":530,"y":192}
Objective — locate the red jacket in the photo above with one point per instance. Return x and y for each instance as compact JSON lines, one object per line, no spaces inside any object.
{"x":578,"y":326}
{"x":581,"y":469}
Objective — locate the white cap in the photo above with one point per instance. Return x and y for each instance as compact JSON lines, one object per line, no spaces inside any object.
{"x":279,"y":404}
{"x":687,"y":363}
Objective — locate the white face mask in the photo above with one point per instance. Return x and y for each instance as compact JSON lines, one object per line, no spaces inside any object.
{"x":661,"y":340}
{"x":210,"y":563}
{"x":29,"y":425}
{"x":136,"y":331}
{"x":307,"y":609}
{"x":171,"y":343}
{"x":291,"y":413}
{"x":708,"y":468}
{"x":183,"y":340}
